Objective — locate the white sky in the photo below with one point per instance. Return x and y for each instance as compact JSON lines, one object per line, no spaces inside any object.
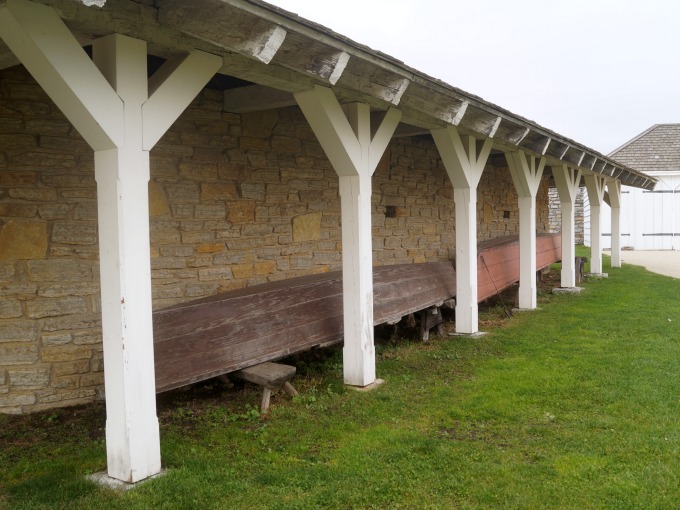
{"x":597,"y":71}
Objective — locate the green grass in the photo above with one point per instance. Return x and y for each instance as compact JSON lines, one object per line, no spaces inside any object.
{"x":574,"y":405}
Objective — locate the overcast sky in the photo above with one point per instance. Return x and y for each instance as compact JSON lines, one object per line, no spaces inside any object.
{"x":597,"y":71}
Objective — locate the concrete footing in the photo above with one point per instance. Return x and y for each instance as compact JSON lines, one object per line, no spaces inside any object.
{"x":369,"y":387}
{"x":469,"y":335}
{"x":102,"y":478}
{"x":597,"y":275}
{"x":567,"y":290}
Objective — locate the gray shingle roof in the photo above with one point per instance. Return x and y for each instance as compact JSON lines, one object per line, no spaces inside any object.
{"x":654,"y":150}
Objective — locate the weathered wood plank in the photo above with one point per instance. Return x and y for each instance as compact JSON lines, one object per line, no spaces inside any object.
{"x":227,"y":332}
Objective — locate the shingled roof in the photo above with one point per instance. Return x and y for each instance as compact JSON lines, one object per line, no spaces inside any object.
{"x":655,"y":150}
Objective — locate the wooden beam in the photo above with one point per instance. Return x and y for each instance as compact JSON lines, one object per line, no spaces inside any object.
{"x":464,"y":158}
{"x":172,"y":88}
{"x":595,"y":185}
{"x":614,"y":189}
{"x":354,"y":152}
{"x":567,"y":181}
{"x":225,"y":26}
{"x":527,"y":172}
{"x":41,"y":41}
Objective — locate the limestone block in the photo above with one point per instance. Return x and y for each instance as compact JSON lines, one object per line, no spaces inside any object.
{"x":18,"y":354}
{"x":14,"y":179}
{"x":253,"y":145}
{"x":16,"y":210}
{"x":165,"y":237}
{"x":47,"y":126}
{"x":7,"y":271}
{"x":29,"y":377}
{"x":59,"y":270}
{"x":87,"y":380}
{"x":259,"y":124}
{"x":214,"y":273}
{"x":209,"y":211}
{"x":56,"y":353}
{"x":168,"y":291}
{"x":53,"y":211}
{"x":71,"y":322}
{"x":70,"y":397}
{"x":182,"y":193}
{"x":241,"y":212}
{"x":195,"y":290}
{"x":69,"y":289}
{"x":56,"y":339}
{"x":16,"y":141}
{"x":264,"y":267}
{"x":87,"y":337}
{"x":34,"y":159}
{"x":198,"y":170}
{"x":10,"y":308}
{"x":241,"y":271}
{"x":197,"y":237}
{"x":22,"y":239}
{"x":34,"y":194}
{"x":210,"y":248}
{"x":11,"y":400}
{"x":17,"y":331}
{"x":201,"y":260}
{"x":67,"y":382}
{"x":259,"y":230}
{"x":219,"y":191}
{"x":253,"y":191}
{"x":40,"y":308}
{"x":74,"y":232}
{"x":168,"y":263}
{"x":307,"y":227}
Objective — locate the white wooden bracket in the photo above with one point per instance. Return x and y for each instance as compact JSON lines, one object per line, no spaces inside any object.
{"x":464,"y":158}
{"x":527,"y":172}
{"x":107,"y":100}
{"x":567,"y":181}
{"x":595,"y":186}
{"x":614,"y":191}
{"x":354,"y":153}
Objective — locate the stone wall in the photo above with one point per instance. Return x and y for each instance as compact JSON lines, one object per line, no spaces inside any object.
{"x":555,"y":215}
{"x":234,"y":201}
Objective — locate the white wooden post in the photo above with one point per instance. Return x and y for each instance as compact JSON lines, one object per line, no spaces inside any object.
{"x":614,"y":189}
{"x":595,"y":186}
{"x":526,"y":173}
{"x":354,"y":154}
{"x":567,"y":180}
{"x":464,"y":160}
{"x":107,"y":101}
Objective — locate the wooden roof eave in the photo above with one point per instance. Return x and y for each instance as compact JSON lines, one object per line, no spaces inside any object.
{"x":269,"y":46}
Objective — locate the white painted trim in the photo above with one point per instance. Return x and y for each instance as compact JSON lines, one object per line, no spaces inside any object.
{"x":464,"y":161}
{"x":354,"y":155}
{"x":527,"y":172}
{"x":567,"y":181}
{"x":40,"y":40}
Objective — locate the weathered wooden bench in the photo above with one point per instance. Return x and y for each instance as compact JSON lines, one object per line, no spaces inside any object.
{"x":271,"y":376}
{"x":227,"y":332}
{"x":219,"y":334}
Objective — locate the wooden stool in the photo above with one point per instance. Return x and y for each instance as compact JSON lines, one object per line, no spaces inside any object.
{"x":271,"y":376}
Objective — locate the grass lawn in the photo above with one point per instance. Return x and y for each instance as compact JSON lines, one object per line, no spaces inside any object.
{"x":575,"y":405}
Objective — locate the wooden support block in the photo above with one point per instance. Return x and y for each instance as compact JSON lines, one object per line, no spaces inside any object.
{"x":429,"y":318}
{"x":271,"y":376}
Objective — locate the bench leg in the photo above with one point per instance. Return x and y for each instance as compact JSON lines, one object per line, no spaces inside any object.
{"x":266,"y":396}
{"x":288,"y":388}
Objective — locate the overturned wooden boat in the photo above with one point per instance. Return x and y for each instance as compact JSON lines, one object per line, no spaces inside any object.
{"x":219,"y":334}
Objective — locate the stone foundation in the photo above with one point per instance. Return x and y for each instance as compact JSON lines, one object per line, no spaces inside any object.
{"x":235,"y":201}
